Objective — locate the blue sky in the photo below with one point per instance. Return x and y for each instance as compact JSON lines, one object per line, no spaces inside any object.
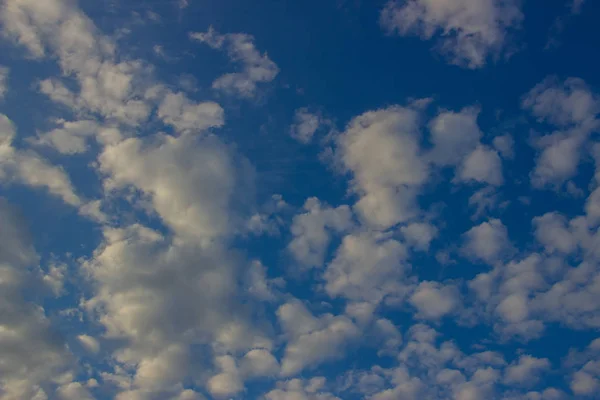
{"x":299,"y":200}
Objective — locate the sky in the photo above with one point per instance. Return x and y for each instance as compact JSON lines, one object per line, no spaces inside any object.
{"x":299,"y":200}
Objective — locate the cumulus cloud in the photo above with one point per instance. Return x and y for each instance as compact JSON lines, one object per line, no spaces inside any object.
{"x":487,"y":242}
{"x":312,"y":340}
{"x":257,"y":68}
{"x":505,"y":146}
{"x":381,"y":150}
{"x":433,"y":300}
{"x":164,"y":296}
{"x":70,"y":137}
{"x":306,"y":124}
{"x":571,"y":107}
{"x":482,"y":165}
{"x":185,"y":116}
{"x":367,"y":267}
{"x":419,"y":235}
{"x":454,"y":135}
{"x":526,"y":371}
{"x":175,"y":297}
{"x":27,"y":167}
{"x":312,"y":230}
{"x":471,"y":31}
{"x":102,"y":85}
{"x":193,"y":195}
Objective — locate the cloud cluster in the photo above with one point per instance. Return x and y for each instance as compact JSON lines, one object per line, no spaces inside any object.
{"x":256,"y":67}
{"x":190,"y":290}
{"x":471,"y":31}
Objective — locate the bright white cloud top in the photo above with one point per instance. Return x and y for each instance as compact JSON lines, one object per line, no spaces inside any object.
{"x":186,"y":220}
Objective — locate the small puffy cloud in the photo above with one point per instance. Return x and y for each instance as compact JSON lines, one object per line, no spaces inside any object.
{"x":434,"y":300}
{"x":584,"y":383}
{"x":526,"y":371}
{"x":552,"y":231}
{"x":471,"y":31}
{"x":483,"y":165}
{"x":573,"y":108}
{"x":505,"y":146}
{"x":419,"y":235}
{"x":186,"y":116}
{"x":454,"y":135}
{"x":367,"y":268}
{"x":562,"y":103}
{"x":312,"y":230}
{"x":70,"y":137}
{"x":259,"y":362}
{"x":558,"y":160}
{"x":312,"y":340}
{"x":487,"y":242}
{"x":381,"y":150}
{"x":256,"y":67}
{"x":27,"y":167}
{"x":306,"y":124}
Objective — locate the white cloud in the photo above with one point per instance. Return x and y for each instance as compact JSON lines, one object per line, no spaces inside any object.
{"x":312,"y":231}
{"x":505,"y":145}
{"x":573,"y":108}
{"x":526,"y":371}
{"x":454,"y":135}
{"x":584,"y":384}
{"x":259,"y":363}
{"x":562,"y":103}
{"x":27,"y":167}
{"x":191,"y":180}
{"x":296,"y":389}
{"x":482,"y":165}
{"x":164,"y":296}
{"x":55,"y":278}
{"x":381,"y":150}
{"x":488,"y":241}
{"x":433,"y":300}
{"x":471,"y":31}
{"x":552,"y":232}
{"x":185,"y":116}
{"x":419,"y":235}
{"x":3,"y":81}
{"x":558,"y":160}
{"x":71,"y":136}
{"x":113,"y":90}
{"x":256,"y":67}
{"x":367,"y":267}
{"x":306,"y":124}
{"x":312,"y":340}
